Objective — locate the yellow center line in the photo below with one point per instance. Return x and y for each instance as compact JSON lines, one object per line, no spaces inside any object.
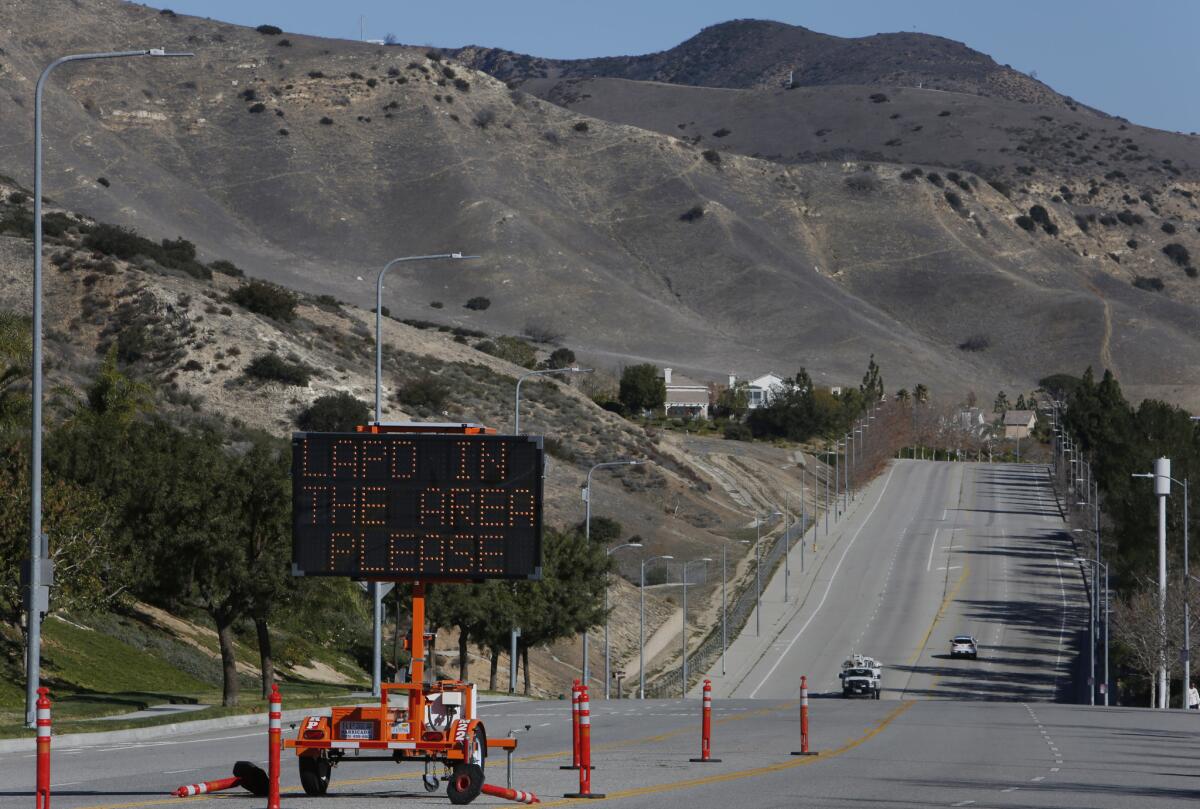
{"x":750,"y":714}
{"x":755,"y":772}
{"x":950,"y":596}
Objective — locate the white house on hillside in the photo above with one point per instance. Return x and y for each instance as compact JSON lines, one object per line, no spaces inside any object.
{"x":761,"y":390}
{"x":686,"y":398}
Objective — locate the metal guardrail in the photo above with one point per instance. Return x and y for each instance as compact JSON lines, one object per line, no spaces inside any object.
{"x":738,"y":614}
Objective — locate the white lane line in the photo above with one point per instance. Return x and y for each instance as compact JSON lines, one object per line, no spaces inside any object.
{"x":1010,"y":789}
{"x":933,"y":542}
{"x":952,"y":567}
{"x":1038,"y":778}
{"x":828,"y":587}
{"x":66,"y":783}
{"x":1054,"y":769}
{"x":943,"y":515}
{"x":963,"y":803}
{"x":176,"y":772}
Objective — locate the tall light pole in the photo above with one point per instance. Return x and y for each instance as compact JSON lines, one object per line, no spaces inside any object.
{"x":379,"y":319}
{"x":373,"y":589}
{"x":758,"y":571}
{"x":607,"y":669}
{"x":517,"y":404}
{"x":1162,"y":488}
{"x":683,"y":669}
{"x":38,"y":599}
{"x":587,"y":537}
{"x":642,"y":625}
{"x":1096,"y":582}
{"x":724,"y":611}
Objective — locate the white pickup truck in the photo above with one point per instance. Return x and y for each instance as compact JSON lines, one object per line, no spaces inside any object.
{"x":861,"y":676}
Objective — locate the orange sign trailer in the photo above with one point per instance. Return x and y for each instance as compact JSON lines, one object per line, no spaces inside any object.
{"x":433,"y":723}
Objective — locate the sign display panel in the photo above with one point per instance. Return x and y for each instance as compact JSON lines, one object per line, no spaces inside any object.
{"x":417,"y":506}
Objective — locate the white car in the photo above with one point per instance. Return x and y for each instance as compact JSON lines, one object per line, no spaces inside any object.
{"x":964,"y":646}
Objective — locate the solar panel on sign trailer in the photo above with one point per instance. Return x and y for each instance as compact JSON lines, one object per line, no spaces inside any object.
{"x":417,"y":506}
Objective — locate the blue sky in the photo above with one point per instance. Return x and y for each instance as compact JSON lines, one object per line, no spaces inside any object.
{"x":1135,"y":58}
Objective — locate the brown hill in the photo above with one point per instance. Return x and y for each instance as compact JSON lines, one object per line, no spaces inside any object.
{"x":313,"y":162}
{"x":763,"y":53}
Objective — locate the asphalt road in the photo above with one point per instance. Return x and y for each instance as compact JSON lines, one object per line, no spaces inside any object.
{"x":913,"y":753}
{"x":930,"y":551}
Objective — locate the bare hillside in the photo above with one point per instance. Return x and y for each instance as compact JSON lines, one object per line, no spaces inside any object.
{"x":764,"y":53}
{"x":311,"y":162}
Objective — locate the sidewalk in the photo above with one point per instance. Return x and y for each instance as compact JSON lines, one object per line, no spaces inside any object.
{"x":747,"y":649}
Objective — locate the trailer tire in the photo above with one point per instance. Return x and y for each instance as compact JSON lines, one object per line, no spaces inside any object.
{"x":466,"y":782}
{"x":314,"y":774}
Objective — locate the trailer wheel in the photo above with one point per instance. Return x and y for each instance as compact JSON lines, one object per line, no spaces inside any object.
{"x":466,"y":781}
{"x":314,"y":774}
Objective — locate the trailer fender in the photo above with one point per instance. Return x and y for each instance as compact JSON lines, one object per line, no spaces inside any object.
{"x":465,"y":734}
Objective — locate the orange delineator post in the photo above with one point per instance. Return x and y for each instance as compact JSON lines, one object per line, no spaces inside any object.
{"x":585,"y":749}
{"x":518,"y":795}
{"x":275,"y":717}
{"x":803,"y":751}
{"x":205,"y":787}
{"x":706,"y":728}
{"x":574,"y":765}
{"x":42,"y":801}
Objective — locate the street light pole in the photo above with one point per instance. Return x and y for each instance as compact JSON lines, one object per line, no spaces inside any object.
{"x":642,"y":625}
{"x":607,"y":669}
{"x":587,"y":537}
{"x":787,"y":545}
{"x":517,"y":404}
{"x":34,"y":607}
{"x":379,"y":320}
{"x":683,"y":670}
{"x":373,"y":589}
{"x":1162,"y":488}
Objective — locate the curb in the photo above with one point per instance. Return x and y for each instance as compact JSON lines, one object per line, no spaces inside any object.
{"x":156,"y":731}
{"x":104,"y":737}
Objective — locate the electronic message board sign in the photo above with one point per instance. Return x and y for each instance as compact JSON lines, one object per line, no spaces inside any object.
{"x":417,"y":506}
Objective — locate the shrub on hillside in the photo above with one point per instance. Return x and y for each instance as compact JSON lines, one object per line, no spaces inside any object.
{"x":267,"y":299}
{"x":269,"y":30}
{"x":272,"y":368}
{"x":541,"y":332}
{"x":737,"y":431}
{"x":1168,"y":228}
{"x":862,"y":183}
{"x":720,"y":133}
{"x":879,"y":98}
{"x":1026,"y":223}
{"x":976,"y":342}
{"x":510,"y":349}
{"x":692,"y":214}
{"x":226,"y":268}
{"x":484,"y":117}
{"x":426,"y":392}
{"x":334,"y":413}
{"x":581,"y":126}
{"x":1149,"y":283}
{"x":478,"y":303}
{"x":935,"y":178}
{"x":125,"y":243}
{"x":1177,"y":253}
{"x":561,"y":358}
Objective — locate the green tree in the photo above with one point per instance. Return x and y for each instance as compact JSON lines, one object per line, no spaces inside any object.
{"x":921,"y":393}
{"x":88,"y":572}
{"x":1020,"y":405}
{"x":16,"y":349}
{"x":642,"y":388}
{"x":734,"y":401}
{"x":1001,"y":403}
{"x":872,"y":384}
{"x":569,"y":598}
